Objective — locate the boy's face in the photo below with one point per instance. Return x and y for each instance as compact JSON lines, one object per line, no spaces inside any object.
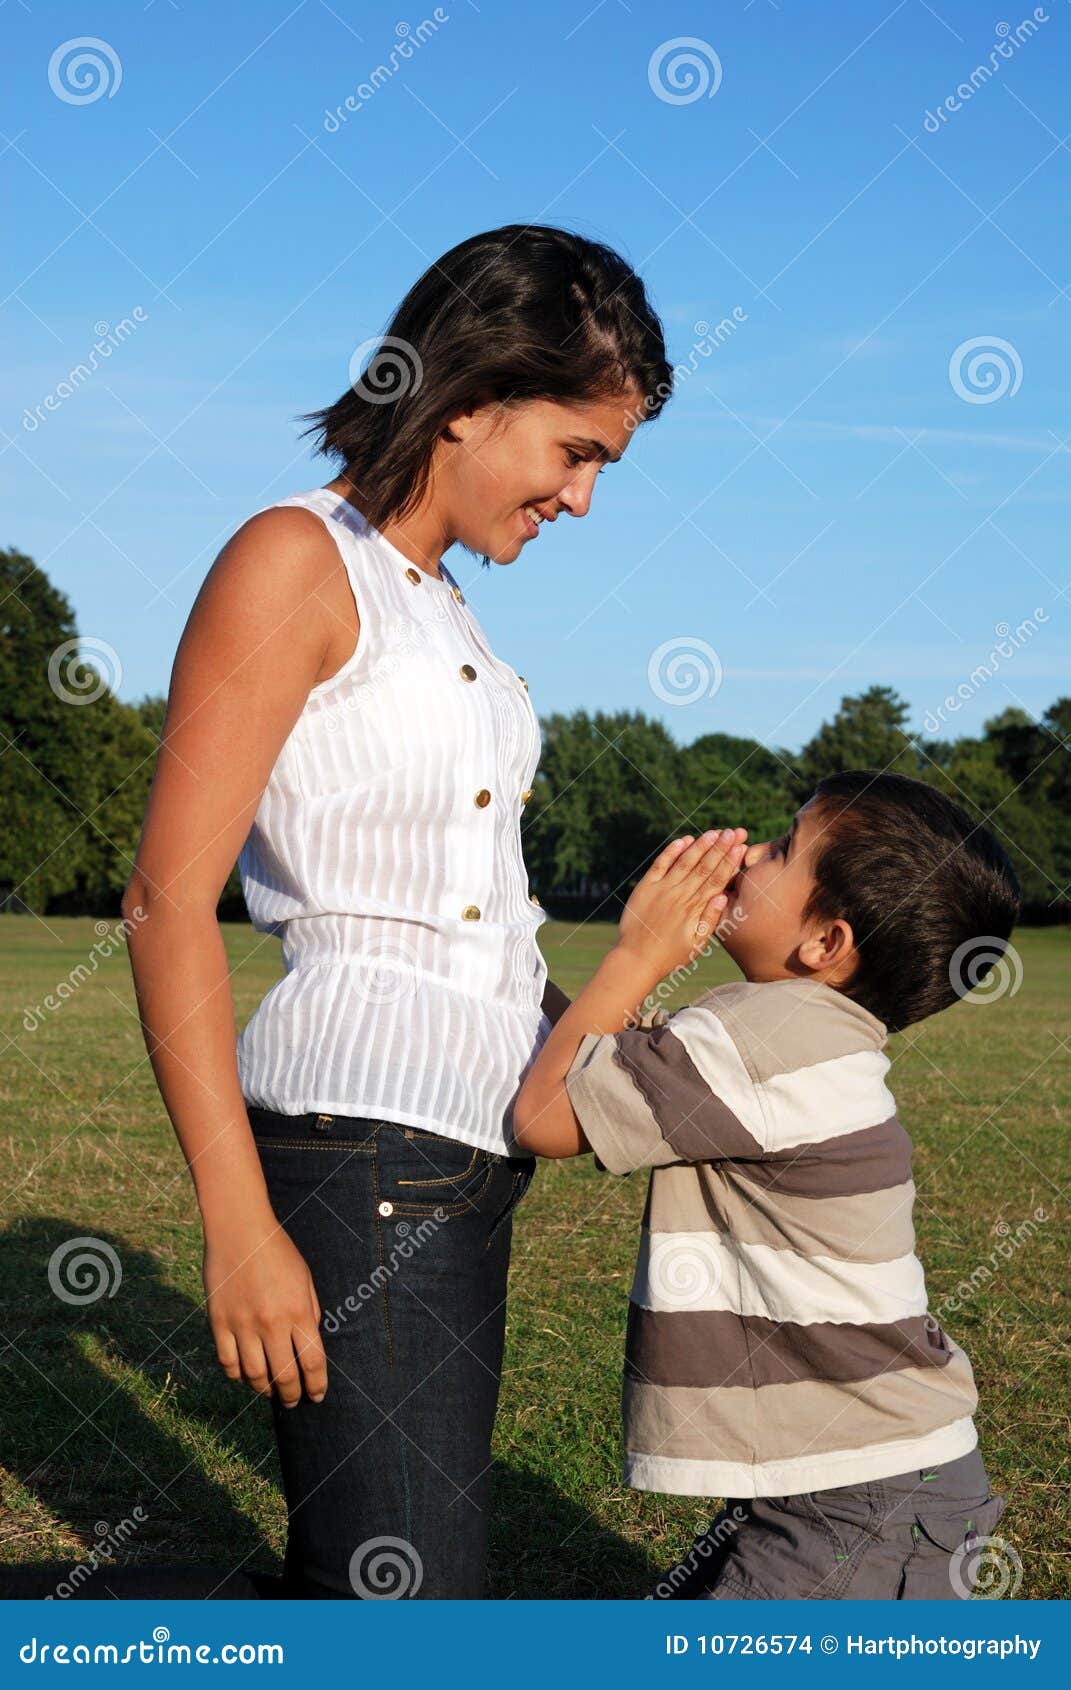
{"x":762,"y":925}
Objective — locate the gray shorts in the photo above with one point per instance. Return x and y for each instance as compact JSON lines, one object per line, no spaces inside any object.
{"x":913,"y":1537}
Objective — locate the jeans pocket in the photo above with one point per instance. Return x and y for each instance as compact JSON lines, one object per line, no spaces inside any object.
{"x":420,"y":1173}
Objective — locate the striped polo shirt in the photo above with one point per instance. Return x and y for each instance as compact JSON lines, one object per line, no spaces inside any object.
{"x":778,"y":1336}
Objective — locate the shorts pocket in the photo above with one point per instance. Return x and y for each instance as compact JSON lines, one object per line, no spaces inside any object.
{"x":949,"y":1548}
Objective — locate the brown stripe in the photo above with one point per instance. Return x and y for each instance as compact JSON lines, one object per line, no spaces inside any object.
{"x":868,"y":1160}
{"x":796,"y":1420}
{"x":692,"y":1119}
{"x":616,"y":1120}
{"x":871,"y":1226}
{"x":714,"y":1347}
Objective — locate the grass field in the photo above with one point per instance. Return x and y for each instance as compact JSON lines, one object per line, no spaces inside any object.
{"x":122,"y":1403}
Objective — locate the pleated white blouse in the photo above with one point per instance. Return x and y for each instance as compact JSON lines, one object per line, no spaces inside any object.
{"x":386,"y":854}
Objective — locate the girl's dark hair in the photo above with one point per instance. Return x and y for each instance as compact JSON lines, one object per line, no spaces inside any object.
{"x":522,"y":312}
{"x":930,"y":895}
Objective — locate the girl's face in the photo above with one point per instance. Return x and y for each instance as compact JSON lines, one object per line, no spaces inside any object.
{"x":512,"y":468}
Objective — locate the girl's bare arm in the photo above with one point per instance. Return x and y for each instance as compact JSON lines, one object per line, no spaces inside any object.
{"x":269,"y":622}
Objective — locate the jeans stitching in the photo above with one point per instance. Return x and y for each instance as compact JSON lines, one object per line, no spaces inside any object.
{"x":449,"y":1179}
{"x":379,"y":1245}
{"x":466,"y":1204}
{"x":515,"y":1197}
{"x":364,"y":1145}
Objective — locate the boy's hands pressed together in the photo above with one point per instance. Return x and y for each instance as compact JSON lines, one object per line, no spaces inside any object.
{"x":669,"y":917}
{"x":675,"y":907}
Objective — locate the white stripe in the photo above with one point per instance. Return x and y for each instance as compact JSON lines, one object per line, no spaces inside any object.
{"x":826,"y":1099}
{"x":712,"y":1049}
{"x":705,"y":1270}
{"x":806,"y":1106}
{"x":678,"y":1476}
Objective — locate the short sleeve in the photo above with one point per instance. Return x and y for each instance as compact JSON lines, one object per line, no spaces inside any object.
{"x":615,"y":1118}
{"x":679,"y":1092}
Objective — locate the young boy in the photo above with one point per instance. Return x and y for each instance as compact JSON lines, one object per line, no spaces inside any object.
{"x":779,"y":1351}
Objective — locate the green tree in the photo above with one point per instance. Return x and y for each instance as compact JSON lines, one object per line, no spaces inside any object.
{"x":728,"y":781}
{"x":605,"y":800}
{"x":866,"y":733}
{"x":44,"y":777}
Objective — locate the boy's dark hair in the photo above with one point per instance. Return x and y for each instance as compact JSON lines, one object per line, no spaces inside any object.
{"x":522,"y":312}
{"x":931,"y":897}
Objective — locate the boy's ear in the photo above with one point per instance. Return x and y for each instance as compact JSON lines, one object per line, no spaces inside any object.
{"x":831,"y":946}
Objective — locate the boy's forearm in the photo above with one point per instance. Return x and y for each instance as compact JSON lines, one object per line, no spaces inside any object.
{"x":544,"y":1120}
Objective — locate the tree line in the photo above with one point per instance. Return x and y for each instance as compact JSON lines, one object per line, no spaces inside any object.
{"x":611,"y":788}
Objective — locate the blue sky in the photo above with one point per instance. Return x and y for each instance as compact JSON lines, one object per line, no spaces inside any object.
{"x":831,"y":500}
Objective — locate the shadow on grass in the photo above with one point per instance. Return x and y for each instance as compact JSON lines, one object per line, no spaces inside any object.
{"x":91,"y":1333}
{"x":544,"y":1546}
{"x":77,"y":1364}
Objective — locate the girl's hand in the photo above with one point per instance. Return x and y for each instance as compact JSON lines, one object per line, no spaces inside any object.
{"x":263,"y":1310}
{"x":676,"y":906}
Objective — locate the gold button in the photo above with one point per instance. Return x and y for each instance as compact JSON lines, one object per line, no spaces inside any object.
{"x":386,"y":1208}
{"x":414,"y":575}
{"x":483,"y":798}
{"x":471,"y":912}
{"x":526,"y":795}
{"x":459,"y":596}
{"x":523,"y":682}
{"x":534,"y":900}
{"x":468,"y":673}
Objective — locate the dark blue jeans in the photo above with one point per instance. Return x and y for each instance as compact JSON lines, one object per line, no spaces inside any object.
{"x":407,"y":1237}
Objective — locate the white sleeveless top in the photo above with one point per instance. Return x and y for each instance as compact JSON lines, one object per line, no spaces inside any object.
{"x":386,"y":854}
